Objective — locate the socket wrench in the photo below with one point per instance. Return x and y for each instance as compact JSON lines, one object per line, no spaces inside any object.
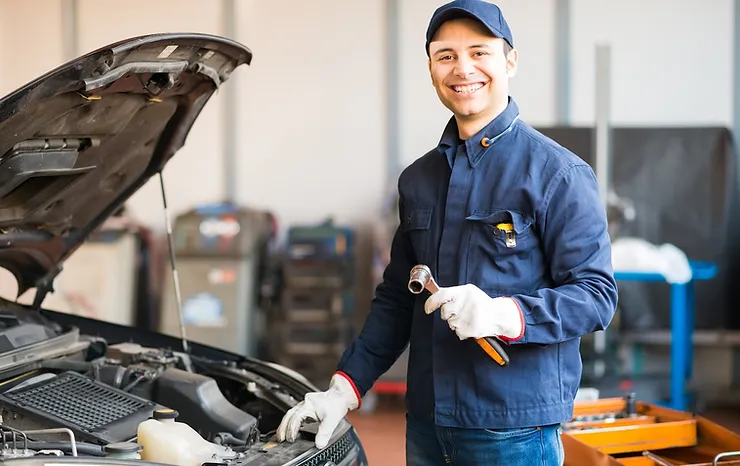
{"x":421,"y":279}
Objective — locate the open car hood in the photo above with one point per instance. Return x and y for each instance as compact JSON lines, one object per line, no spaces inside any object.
{"x":80,"y":140}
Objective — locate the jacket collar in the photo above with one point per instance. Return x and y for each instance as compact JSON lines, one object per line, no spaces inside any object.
{"x":477,"y":145}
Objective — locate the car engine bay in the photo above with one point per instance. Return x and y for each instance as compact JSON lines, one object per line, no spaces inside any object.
{"x":75,"y":144}
{"x":63,"y":393}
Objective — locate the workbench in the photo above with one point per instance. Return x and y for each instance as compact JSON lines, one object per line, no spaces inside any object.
{"x":682,"y":325}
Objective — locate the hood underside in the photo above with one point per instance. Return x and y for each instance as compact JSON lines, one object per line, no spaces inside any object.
{"x":80,"y":140}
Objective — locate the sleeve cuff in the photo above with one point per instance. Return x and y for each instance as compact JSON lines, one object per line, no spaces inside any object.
{"x":354,"y":387}
{"x":508,"y":340}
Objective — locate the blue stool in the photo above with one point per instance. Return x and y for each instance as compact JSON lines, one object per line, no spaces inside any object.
{"x":682,"y":325}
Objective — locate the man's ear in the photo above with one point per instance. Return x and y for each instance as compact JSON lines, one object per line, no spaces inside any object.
{"x":512,"y":62}
{"x":429,"y":65}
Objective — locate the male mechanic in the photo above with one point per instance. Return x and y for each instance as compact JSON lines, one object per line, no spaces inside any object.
{"x":512,"y":227}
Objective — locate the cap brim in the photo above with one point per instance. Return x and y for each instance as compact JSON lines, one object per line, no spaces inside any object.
{"x":455,"y":13}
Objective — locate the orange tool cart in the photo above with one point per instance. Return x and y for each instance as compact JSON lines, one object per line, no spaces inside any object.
{"x":626,"y":432}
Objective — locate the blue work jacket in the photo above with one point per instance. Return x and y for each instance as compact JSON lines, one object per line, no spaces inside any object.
{"x":558,"y":269}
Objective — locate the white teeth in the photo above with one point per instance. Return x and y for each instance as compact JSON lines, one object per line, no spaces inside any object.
{"x":467,"y":89}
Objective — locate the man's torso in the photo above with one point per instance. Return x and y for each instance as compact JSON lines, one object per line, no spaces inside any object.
{"x":456,"y":218}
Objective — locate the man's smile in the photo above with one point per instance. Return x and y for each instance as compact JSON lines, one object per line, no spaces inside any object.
{"x":467,"y":89}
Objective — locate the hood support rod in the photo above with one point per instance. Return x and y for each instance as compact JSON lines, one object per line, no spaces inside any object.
{"x":173,"y":265}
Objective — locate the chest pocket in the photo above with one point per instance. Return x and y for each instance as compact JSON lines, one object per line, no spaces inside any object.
{"x":415,"y":224}
{"x":503,"y":254}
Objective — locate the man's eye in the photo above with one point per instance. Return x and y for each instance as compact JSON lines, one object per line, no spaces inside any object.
{"x":445,"y":57}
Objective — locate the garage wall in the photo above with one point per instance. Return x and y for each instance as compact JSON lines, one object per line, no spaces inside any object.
{"x":672,"y":62}
{"x":311,"y":138}
{"x":313,"y":103}
{"x":30,"y":42}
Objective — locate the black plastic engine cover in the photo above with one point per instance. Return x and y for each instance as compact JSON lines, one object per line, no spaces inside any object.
{"x":201,"y":404}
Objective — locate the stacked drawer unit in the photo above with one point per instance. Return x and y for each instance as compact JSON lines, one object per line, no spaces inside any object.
{"x":317,"y":318}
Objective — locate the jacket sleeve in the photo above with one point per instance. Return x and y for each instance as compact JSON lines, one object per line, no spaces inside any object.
{"x":576,"y":244}
{"x":387,"y":328}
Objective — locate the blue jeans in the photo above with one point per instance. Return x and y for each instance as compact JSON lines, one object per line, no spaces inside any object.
{"x":431,"y":445}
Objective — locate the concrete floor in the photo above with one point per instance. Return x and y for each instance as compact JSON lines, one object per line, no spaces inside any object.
{"x":383,"y":431}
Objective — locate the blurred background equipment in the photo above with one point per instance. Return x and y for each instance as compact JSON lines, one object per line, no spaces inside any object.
{"x":678,"y":187}
{"x":222,"y":255}
{"x":111,"y":277}
{"x":316,"y":320}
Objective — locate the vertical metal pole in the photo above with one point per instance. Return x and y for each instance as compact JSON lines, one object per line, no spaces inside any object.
{"x":562,"y":61}
{"x":602,"y":143}
{"x":736,"y":137}
{"x":736,"y":80}
{"x":70,"y":46}
{"x":680,"y":348}
{"x":603,"y":109}
{"x":229,"y":102}
{"x":393,"y":80}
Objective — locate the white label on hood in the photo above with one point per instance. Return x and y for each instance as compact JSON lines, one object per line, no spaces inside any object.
{"x":167,"y":51}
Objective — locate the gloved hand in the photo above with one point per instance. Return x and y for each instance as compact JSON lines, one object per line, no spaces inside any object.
{"x":471,"y":313}
{"x":329,"y":408}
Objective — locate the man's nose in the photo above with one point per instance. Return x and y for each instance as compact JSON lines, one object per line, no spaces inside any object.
{"x":464,"y":67}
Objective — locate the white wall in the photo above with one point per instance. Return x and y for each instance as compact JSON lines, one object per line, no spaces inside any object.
{"x":311,"y":134}
{"x":30,"y":40}
{"x":312,"y":105}
{"x":671,"y":63}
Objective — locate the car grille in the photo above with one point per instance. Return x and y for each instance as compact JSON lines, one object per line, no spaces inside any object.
{"x":336,"y":452}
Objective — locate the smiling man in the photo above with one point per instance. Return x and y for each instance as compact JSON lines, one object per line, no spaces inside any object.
{"x":470,"y":71}
{"x":511,"y":226}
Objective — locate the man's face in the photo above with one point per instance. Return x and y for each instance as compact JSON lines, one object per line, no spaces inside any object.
{"x":469,"y":69}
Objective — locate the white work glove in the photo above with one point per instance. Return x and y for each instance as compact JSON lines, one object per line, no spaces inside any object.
{"x":471,"y":313}
{"x":329,"y":408}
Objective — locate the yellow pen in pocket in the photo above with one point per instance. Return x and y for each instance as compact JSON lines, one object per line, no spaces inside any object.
{"x":510,"y":234}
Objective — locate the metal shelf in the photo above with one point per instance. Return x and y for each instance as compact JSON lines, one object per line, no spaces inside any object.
{"x":682,"y":324}
{"x":721,"y":338}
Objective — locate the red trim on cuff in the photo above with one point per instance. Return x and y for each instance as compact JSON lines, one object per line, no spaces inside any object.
{"x":508,"y":340}
{"x":354,"y":387}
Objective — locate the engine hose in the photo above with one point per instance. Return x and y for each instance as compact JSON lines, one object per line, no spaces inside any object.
{"x":136,"y":381}
{"x":82,"y":447}
{"x":225,"y":438}
{"x":67,"y":365}
{"x":88,"y":449}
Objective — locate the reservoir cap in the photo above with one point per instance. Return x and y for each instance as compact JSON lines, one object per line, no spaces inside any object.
{"x":165,"y":413}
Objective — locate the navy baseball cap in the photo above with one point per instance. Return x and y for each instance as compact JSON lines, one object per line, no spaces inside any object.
{"x":487,"y":13}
